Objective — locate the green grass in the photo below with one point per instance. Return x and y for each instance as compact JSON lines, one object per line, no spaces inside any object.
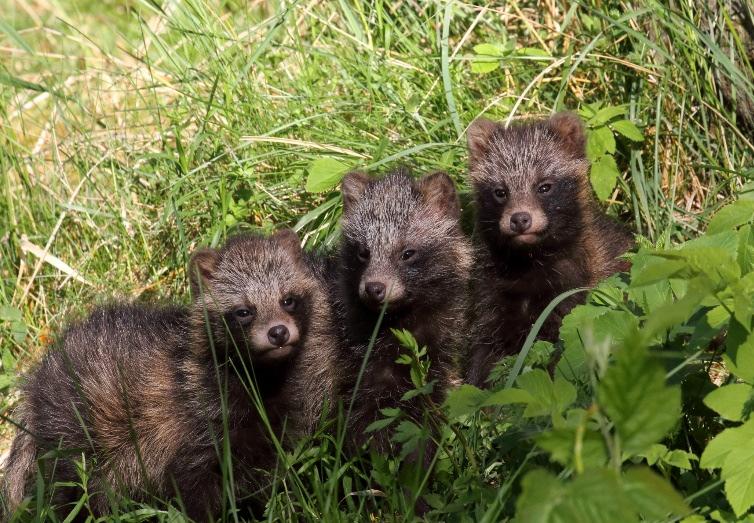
{"x":133,"y":132}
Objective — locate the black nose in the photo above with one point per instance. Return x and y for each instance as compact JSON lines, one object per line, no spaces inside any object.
{"x":278,"y":335}
{"x":375,"y":290}
{"x":520,"y":221}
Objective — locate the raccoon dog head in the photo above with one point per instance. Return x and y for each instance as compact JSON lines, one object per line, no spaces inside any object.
{"x":257,"y":294}
{"x":402,"y":243}
{"x":530,"y":180}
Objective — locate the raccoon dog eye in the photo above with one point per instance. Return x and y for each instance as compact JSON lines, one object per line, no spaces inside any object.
{"x":500,"y":193}
{"x":289,"y":303}
{"x":363,"y":254}
{"x":242,"y":313}
{"x":545,"y":187}
{"x":408,"y":254}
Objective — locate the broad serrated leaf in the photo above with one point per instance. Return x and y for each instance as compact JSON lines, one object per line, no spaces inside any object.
{"x":604,"y":176}
{"x":675,"y":312}
{"x":573,"y":362}
{"x":547,"y":397}
{"x":628,"y":129}
{"x":654,"y":453}
{"x":324,"y":174}
{"x":487,"y":57}
{"x":570,"y":445}
{"x":733,"y":451}
{"x":652,"y":496}
{"x":732,"y":402}
{"x":606,"y":114}
{"x":680,"y":459}
{"x":600,"y":142}
{"x":593,"y":497}
{"x":746,"y":248}
{"x":507,"y":397}
{"x":409,"y":434}
{"x":464,"y":401}
{"x":379,"y":424}
{"x":589,"y":334}
{"x":739,"y":352}
{"x":731,"y":216}
{"x":634,"y":395}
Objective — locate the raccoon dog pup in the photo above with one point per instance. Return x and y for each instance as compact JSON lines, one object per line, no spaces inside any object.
{"x":541,"y":231}
{"x":403,"y":249}
{"x":150,"y":397}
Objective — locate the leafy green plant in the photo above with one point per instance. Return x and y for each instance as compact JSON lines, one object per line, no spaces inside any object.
{"x":603,"y":124}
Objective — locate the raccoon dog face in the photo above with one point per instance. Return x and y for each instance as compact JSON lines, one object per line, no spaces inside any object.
{"x":530,"y":180}
{"x":398,"y":234}
{"x":257,"y":294}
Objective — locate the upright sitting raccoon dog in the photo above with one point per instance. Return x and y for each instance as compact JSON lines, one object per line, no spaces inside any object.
{"x":147,"y":384}
{"x":541,"y":231}
{"x":403,"y":249}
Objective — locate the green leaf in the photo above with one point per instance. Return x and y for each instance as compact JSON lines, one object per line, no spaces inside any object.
{"x":9,"y":361}
{"x":487,"y":49}
{"x":606,"y":114}
{"x":731,"y":216}
{"x":739,"y":353}
{"x":593,"y":497}
{"x":573,"y":362}
{"x":547,"y":397}
{"x":600,"y":141}
{"x":680,"y":459}
{"x":480,"y":65}
{"x":634,"y":395}
{"x":675,"y":312}
{"x":649,"y":269}
{"x":733,"y":451}
{"x":653,"y":497}
{"x":604,"y":176}
{"x":731,"y":401}
{"x":746,"y":248}
{"x":589,"y":334}
{"x":487,"y":57}
{"x":598,"y":495}
{"x":8,"y":313}
{"x":379,"y":424}
{"x":464,"y":401}
{"x":324,"y":174}
{"x":659,"y":453}
{"x":567,"y":445}
{"x":507,"y":397}
{"x":628,"y":129}
{"x":532,"y":52}
{"x":409,"y":435}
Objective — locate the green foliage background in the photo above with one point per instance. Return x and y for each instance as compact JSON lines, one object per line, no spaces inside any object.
{"x":132,"y":132}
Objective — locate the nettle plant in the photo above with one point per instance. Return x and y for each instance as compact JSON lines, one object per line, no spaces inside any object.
{"x":629,"y":425}
{"x":604,"y":124}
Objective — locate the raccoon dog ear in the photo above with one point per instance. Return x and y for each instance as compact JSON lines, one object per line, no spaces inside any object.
{"x":289,"y":240}
{"x":438,"y":190}
{"x":352,"y":187}
{"x":201,"y":268}
{"x":569,"y":127}
{"x":478,"y":137}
